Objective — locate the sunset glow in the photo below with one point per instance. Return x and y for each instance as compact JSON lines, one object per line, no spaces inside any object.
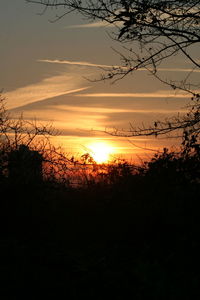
{"x":100,"y":151}
{"x":57,"y":81}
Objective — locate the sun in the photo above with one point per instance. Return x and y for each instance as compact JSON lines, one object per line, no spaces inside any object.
{"x":100,"y":151}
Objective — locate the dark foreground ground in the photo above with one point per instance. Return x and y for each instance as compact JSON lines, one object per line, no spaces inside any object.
{"x":132,"y":240}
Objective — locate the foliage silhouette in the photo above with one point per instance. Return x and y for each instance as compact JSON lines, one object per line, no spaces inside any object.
{"x":129,"y":232}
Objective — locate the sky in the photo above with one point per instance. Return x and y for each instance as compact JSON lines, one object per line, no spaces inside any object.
{"x":48,"y":72}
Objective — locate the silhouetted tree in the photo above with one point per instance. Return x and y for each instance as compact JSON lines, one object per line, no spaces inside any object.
{"x":176,"y":168}
{"x":151,"y":32}
{"x":24,"y":145}
{"x":25,"y":166}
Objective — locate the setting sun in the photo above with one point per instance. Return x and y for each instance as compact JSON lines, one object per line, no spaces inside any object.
{"x":100,"y":151}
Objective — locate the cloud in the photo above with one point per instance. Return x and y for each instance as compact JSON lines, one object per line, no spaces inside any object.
{"x":89,"y":64}
{"x":47,"y":88}
{"x":106,"y":111}
{"x":178,"y":70}
{"x":78,"y":63}
{"x":88,"y":109}
{"x":157,"y":94}
{"x":91,"y":25}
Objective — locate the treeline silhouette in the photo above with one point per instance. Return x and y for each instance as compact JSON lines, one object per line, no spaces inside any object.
{"x":124,"y":232}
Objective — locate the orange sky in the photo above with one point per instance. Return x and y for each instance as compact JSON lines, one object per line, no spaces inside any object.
{"x":45,"y":71}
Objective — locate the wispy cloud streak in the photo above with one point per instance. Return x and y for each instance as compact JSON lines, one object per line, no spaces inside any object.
{"x":158,"y":94}
{"x":90,"y":25}
{"x":47,"y":88}
{"x":78,"y":63}
{"x":89,"y":64}
{"x":106,"y":111}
